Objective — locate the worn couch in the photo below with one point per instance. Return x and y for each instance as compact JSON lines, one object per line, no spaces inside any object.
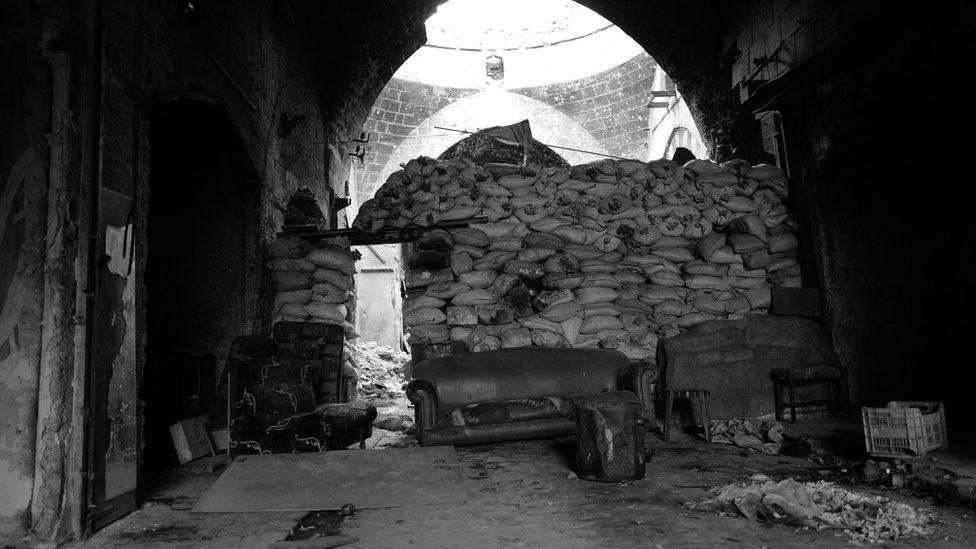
{"x":516,"y":393}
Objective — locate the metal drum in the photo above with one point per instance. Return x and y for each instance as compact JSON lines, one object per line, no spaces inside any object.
{"x":609,"y":436}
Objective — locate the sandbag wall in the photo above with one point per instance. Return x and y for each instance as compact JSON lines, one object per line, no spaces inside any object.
{"x":611,"y":254}
{"x":313,"y":282}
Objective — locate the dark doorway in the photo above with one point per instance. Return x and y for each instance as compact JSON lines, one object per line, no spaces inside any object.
{"x":201,"y":261}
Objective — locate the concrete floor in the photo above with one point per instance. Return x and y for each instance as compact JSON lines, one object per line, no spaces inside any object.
{"x":518,"y":494}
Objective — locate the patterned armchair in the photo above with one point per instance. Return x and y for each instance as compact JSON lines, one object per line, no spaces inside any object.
{"x":285,"y":391}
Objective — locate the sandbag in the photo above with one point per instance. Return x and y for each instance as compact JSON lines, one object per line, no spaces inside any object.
{"x":600,"y":309}
{"x":596,"y":266}
{"x":286,"y":281}
{"x":493,"y":261}
{"x":422,"y":302}
{"x":782,"y":242}
{"x":699,"y":267}
{"x":461,"y":316}
{"x":471,"y":236}
{"x":675,"y":308}
{"x":600,"y":323}
{"x":556,"y":281}
{"x":595,"y":295}
{"x":709,"y":244}
{"x":478,"y":279}
{"x":599,"y":280}
{"x":297,"y":297}
{"x":474,"y":297}
{"x":490,"y":343}
{"x":665,"y":277}
{"x":460,"y":333}
{"x":294,"y":310}
{"x":571,"y":234}
{"x":438,"y":239}
{"x":701,"y":282}
{"x":506,"y":244}
{"x":561,"y":263}
{"x":571,"y":329}
{"x":547,"y":338}
{"x":301,"y":265}
{"x":524,"y":269}
{"x":335,"y":258}
{"x":538,"y":323}
{"x":748,"y":224}
{"x":759,"y":298}
{"x":503,"y":284}
{"x":535,"y":255}
{"x":745,"y":243}
{"x":583,"y":252}
{"x":745,"y":283}
{"x":290,"y":247}
{"x":341,"y":281}
{"x":329,"y":293}
{"x":327,"y":311}
{"x":474,"y":251}
{"x":562,"y":311}
{"x":550,"y":298}
{"x":429,"y":333}
{"x":446,"y":290}
{"x":652,"y":294}
{"x":724,"y":256}
{"x":517,"y":337}
{"x":542,"y":240}
{"x":677,"y":255}
{"x":423,"y":316}
{"x":461,"y":263}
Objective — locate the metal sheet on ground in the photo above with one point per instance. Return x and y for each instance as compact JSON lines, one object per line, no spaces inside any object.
{"x":329,"y":480}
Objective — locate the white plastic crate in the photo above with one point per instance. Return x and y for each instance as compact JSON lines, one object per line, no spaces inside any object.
{"x":904,"y":429}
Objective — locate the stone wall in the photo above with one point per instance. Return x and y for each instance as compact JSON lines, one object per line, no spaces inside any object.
{"x":25,"y":116}
{"x":864,"y":154}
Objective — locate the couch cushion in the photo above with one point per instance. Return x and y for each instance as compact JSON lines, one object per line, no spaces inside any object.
{"x":506,"y":411}
{"x":513,"y":374}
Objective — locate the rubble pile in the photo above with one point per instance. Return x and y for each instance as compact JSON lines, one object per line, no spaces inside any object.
{"x":313,"y":282}
{"x":820,"y":505}
{"x":380,"y":370}
{"x":611,"y":254}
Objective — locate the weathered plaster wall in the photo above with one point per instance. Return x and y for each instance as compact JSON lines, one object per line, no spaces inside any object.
{"x":25,"y":108}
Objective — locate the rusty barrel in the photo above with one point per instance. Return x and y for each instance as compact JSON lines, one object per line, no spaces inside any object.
{"x":609,"y":436}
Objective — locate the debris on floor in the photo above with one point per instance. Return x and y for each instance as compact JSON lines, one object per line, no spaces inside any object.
{"x":820,"y":505}
{"x":380,"y":370}
{"x":762,"y":435}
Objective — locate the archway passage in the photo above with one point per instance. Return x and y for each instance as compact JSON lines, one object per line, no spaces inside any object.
{"x":201,"y":249}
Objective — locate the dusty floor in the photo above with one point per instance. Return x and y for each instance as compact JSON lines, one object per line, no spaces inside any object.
{"x":518,"y":494}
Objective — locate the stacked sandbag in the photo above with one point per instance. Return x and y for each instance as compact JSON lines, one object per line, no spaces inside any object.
{"x":313,"y":282}
{"x":611,"y":254}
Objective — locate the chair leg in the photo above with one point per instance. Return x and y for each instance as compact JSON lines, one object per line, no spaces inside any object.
{"x":792,"y":400}
{"x":667,"y":415}
{"x":778,"y":399}
{"x":703,"y":401}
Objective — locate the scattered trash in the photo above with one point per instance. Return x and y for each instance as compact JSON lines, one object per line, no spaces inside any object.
{"x":571,"y":476}
{"x":762,"y":435}
{"x":347,"y":510}
{"x":796,"y":447}
{"x":820,"y":505}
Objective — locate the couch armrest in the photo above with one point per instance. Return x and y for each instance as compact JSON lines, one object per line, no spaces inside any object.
{"x":639,"y":378}
{"x":423,"y":395}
